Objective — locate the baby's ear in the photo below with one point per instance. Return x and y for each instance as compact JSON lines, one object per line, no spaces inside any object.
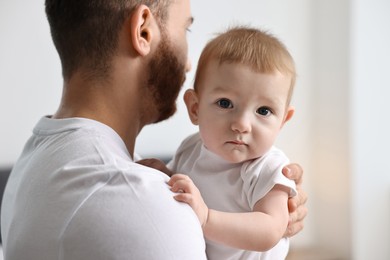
{"x":192,"y":102}
{"x":289,"y":114}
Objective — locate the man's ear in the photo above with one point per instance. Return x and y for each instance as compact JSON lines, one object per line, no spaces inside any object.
{"x":192,"y":102}
{"x":289,"y":114}
{"x":143,"y":29}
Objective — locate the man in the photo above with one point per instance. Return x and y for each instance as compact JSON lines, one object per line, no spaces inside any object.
{"x":75,"y":192}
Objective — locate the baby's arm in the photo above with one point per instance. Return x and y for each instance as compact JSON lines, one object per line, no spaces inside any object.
{"x":259,"y":230}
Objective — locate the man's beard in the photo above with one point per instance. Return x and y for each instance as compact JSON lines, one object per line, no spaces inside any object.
{"x":166,"y":77}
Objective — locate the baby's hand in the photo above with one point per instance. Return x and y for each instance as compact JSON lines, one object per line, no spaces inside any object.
{"x":156,"y":164}
{"x":189,"y":193}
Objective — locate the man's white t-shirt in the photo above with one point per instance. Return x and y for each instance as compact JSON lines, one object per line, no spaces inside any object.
{"x":232,"y":187}
{"x":75,"y":193}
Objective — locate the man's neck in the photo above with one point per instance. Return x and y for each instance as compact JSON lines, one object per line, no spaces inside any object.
{"x":104,"y":102}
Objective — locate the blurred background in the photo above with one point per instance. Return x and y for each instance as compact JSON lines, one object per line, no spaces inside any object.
{"x":339,"y":134}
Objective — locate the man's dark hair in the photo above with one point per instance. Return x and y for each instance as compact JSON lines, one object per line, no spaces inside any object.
{"x":85,"y":32}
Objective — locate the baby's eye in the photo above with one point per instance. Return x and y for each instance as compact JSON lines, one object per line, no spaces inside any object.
{"x":224,"y":103}
{"x":264,"y":111}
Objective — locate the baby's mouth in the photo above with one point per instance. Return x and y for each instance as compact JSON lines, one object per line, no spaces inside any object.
{"x":237,"y":142}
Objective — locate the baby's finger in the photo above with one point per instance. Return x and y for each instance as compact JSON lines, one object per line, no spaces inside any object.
{"x":184,"y":197}
{"x":176,"y":177}
{"x":182,"y":185}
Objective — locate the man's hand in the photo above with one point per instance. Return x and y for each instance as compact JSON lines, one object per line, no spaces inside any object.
{"x":296,"y":205}
{"x":156,"y":164}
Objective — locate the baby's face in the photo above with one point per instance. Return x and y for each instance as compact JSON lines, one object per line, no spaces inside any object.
{"x":240,"y":111}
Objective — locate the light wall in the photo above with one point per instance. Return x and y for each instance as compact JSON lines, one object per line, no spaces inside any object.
{"x":330,"y":177}
{"x":370,"y":128}
{"x":30,"y":75}
{"x":339,"y":133}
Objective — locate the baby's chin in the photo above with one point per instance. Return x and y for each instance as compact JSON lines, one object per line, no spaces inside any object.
{"x":236,"y":156}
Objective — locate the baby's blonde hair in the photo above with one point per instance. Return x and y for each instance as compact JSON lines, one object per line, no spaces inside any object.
{"x":258,"y":49}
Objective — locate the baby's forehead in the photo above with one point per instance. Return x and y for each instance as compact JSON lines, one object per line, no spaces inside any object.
{"x":214,"y":61}
{"x":230,"y":67}
{"x":232,"y":73}
{"x":243,"y":80}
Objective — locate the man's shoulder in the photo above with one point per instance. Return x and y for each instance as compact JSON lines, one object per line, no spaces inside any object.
{"x":135,"y":214}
